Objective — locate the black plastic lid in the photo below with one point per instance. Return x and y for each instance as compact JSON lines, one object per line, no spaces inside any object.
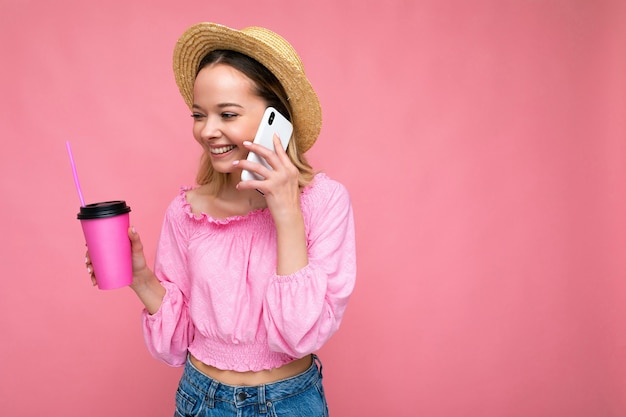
{"x":103,"y":209}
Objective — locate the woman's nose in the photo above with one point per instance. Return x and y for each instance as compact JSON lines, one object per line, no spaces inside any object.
{"x":211,"y":129}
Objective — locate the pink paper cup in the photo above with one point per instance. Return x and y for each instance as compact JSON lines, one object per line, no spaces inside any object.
{"x":105,"y":226}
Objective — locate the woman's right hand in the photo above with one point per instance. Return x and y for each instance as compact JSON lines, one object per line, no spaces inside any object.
{"x":90,"y":270}
{"x":145,"y":283}
{"x":140,"y":267}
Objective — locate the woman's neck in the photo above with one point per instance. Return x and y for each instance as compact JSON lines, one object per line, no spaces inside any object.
{"x":226,"y":201}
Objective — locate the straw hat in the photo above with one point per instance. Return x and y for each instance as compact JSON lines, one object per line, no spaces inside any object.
{"x":268,"y":48}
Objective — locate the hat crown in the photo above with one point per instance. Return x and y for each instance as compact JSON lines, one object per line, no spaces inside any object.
{"x":276,"y":42}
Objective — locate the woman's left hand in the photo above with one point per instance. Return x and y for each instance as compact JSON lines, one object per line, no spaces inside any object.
{"x":280,"y":184}
{"x":282,"y":195}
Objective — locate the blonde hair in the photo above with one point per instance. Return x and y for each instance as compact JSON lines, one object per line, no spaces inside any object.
{"x":268,"y":88}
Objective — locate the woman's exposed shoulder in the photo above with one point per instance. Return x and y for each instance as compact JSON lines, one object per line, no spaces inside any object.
{"x":198,"y":199}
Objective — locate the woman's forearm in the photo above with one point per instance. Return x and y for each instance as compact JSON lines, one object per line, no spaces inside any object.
{"x":291,"y":245}
{"x":149,"y":290}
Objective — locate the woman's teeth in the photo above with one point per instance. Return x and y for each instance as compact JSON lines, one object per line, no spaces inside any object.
{"x":223,"y":149}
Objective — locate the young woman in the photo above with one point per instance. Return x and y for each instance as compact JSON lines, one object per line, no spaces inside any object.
{"x":251,"y":277}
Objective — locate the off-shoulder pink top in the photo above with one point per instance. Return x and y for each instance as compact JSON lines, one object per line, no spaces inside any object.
{"x":224,"y":302}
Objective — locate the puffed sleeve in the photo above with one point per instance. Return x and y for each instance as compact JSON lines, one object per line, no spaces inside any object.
{"x":169,"y":331}
{"x":303,"y":310}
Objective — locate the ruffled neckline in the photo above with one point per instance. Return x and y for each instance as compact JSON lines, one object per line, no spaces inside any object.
{"x":254,"y":214}
{"x":186,"y":206}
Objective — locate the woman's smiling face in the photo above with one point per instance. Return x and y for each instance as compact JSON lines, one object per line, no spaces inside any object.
{"x":226,"y":113}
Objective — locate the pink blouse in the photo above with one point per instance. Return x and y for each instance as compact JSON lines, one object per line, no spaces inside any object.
{"x":224,"y":302}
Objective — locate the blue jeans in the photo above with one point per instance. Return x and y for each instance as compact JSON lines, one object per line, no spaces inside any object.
{"x":300,"y":396}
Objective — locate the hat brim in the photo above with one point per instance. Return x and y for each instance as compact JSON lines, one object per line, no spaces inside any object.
{"x":266,"y":47}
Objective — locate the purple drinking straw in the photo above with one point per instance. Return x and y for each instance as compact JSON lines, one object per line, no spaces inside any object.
{"x":80,"y":194}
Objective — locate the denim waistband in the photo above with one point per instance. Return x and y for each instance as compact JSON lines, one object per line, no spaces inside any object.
{"x":242,"y":396}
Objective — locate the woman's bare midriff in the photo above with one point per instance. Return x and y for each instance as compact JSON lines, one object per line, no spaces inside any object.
{"x":251,"y":378}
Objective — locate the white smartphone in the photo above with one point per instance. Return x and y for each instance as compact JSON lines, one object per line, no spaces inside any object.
{"x":272,"y":122}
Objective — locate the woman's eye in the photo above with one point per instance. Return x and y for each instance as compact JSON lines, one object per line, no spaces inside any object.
{"x":197,"y":116}
{"x":227,"y":115}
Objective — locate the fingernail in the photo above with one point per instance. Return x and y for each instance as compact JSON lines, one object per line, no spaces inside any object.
{"x":132,"y":229}
{"x":247,"y":143}
{"x":236,"y":162}
{"x":86,"y":259}
{"x":89,"y":270}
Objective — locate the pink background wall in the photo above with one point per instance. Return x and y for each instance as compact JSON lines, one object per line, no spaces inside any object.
{"x":484,"y":144}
